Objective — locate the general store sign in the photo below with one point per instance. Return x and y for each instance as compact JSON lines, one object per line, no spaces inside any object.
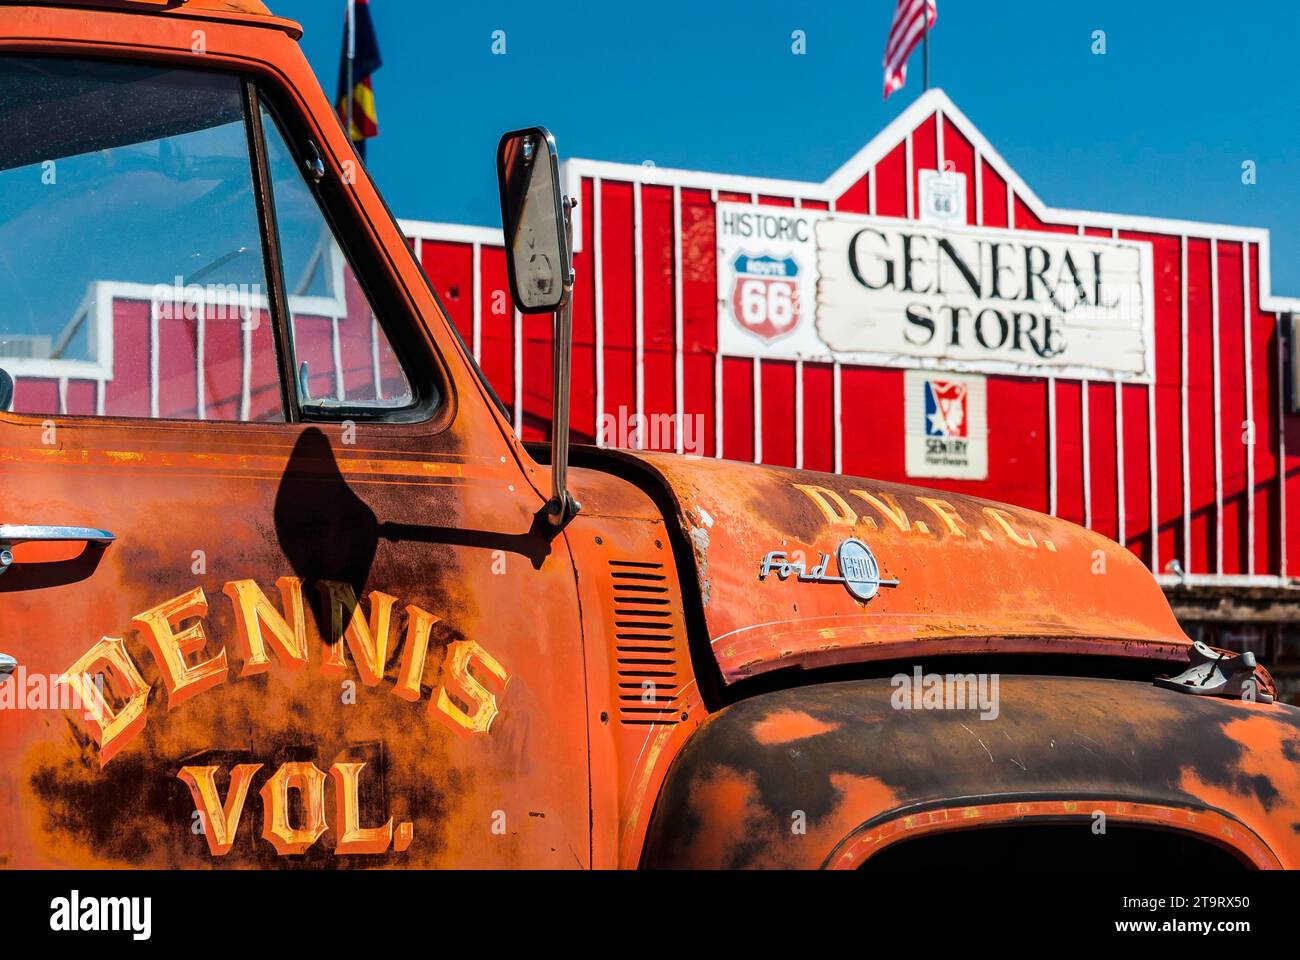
{"x":813,"y":285}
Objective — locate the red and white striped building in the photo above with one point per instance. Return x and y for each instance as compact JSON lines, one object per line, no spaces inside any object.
{"x":1195,"y":467}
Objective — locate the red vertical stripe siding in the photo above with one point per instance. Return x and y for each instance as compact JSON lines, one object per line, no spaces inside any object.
{"x":265,"y":399}
{"x":391,"y":378}
{"x":818,"y":417}
{"x":770,"y":201}
{"x":1096,"y":232}
{"x":356,"y":333}
{"x":450,"y":268}
{"x":699,"y":432}
{"x":1292,"y":491}
{"x":657,"y":270}
{"x":1200,"y":405}
{"x":223,"y":369}
{"x":995,"y":197}
{"x":699,"y":320}
{"x":1103,"y":477}
{"x":815,"y":205}
{"x":1167,"y":278}
{"x":536,"y":340}
{"x":619,"y":290}
{"x":1018,"y":435}
{"x":496,"y":328}
{"x":1292,"y":470}
{"x":177,"y":364}
{"x":127,"y":394}
{"x":36,"y":395}
{"x":582,"y":402}
{"x":1232,"y":409}
{"x":1266,"y":391}
{"x":81,"y":396}
{"x":1069,"y":450}
{"x":854,"y":199}
{"x":737,"y":408}
{"x":660,"y":338}
{"x":891,"y":183}
{"x":1137,"y":471}
{"x":960,"y":154}
{"x":925,"y":156}
{"x":872,"y":411}
{"x":778,"y":378}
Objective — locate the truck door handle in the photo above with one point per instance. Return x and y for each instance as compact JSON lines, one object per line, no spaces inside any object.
{"x":28,"y":533}
{"x":11,"y":534}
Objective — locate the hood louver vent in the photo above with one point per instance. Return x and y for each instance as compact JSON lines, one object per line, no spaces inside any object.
{"x":649,"y":639}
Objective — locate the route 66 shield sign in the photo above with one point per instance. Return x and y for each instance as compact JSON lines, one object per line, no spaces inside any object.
{"x":943,"y":197}
{"x":765,"y":298}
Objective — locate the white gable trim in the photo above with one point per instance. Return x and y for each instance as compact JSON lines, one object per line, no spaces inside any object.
{"x":888,"y":139}
{"x":452,"y":232}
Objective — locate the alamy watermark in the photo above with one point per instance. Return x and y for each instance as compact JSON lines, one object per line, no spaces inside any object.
{"x":213,"y":301}
{"x":950,"y":691}
{"x":682,"y":432}
{"x":49,"y":691}
{"x":76,"y":913}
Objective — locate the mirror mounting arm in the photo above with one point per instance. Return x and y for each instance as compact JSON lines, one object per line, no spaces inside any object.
{"x":537,"y":224}
{"x":562,"y":507}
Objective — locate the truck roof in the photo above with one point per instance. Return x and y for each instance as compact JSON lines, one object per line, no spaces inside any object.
{"x":252,"y":12}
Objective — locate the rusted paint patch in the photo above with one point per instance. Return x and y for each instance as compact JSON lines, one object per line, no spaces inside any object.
{"x":785,"y":726}
{"x":737,"y":829}
{"x":1267,"y":781}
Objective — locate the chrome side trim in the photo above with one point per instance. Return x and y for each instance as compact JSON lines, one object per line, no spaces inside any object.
{"x":29,"y":533}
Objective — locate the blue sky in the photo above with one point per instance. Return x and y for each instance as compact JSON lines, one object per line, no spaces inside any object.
{"x":1159,"y":125}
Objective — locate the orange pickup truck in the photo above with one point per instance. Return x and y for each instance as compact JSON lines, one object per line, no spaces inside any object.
{"x":280,"y":586}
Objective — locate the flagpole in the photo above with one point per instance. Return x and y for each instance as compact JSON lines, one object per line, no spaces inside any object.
{"x":925,"y":48}
{"x":352,"y":56}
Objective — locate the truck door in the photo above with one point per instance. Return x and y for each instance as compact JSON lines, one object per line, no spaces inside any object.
{"x":267,"y":579}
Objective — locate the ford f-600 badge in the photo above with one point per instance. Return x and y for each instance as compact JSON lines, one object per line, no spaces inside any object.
{"x":859,"y":571}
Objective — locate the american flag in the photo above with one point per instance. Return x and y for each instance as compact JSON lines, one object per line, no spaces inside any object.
{"x":911,"y":19}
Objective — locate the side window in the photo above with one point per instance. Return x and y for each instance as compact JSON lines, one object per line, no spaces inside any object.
{"x":343,"y":357}
{"x":132,"y":277}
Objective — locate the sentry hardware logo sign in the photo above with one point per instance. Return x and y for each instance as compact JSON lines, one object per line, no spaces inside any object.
{"x":946,"y":427}
{"x":946,"y":409}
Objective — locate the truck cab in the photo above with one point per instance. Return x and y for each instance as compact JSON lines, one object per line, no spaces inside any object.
{"x":281,"y":587}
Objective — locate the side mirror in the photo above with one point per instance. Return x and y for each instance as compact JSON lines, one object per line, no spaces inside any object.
{"x":6,"y":391}
{"x":533,"y":217}
{"x":538,"y":238}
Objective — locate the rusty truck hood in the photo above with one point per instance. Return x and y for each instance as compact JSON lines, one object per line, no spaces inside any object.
{"x":972,"y":575}
{"x":869,"y":770}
